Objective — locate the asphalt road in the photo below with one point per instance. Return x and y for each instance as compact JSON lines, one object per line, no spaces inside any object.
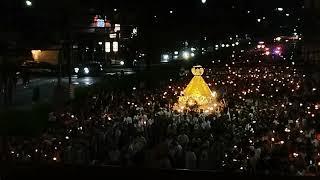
{"x":23,"y":94}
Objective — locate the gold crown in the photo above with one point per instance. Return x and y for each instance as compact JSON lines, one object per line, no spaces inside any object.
{"x":197,"y":70}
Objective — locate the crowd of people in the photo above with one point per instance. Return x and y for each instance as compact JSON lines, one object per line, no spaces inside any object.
{"x":268,"y":126}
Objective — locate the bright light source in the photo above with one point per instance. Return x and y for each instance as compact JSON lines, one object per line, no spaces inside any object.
{"x":115,"y":46}
{"x":171,"y":11}
{"x":227,"y":45}
{"x":237,"y":43}
{"x":278,"y":38}
{"x":280,"y":9}
{"x":193,"y":49}
{"x":100,"y":43}
{"x":287,"y":15}
{"x":116,"y":27}
{"x":176,"y":52}
{"x":28,"y":3}
{"x":76,"y":70}
{"x":259,"y":20}
{"x":100,"y":23}
{"x":86,"y":70}
{"x":135,"y":31}
{"x":222,"y":45}
{"x":108,"y":47}
{"x":121,"y":63}
{"x":166,"y":57}
{"x":186,"y":55}
{"x":115,"y":10}
{"x":203,"y":1}
{"x":175,"y":57}
{"x":192,"y":54}
{"x":113,"y":35}
{"x":36,"y":54}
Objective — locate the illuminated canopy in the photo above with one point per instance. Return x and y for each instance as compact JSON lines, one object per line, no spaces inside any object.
{"x":197,"y":94}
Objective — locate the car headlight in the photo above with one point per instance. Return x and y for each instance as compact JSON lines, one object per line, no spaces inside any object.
{"x":86,"y":70}
{"x":76,"y":70}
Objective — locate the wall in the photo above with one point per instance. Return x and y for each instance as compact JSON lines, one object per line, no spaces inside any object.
{"x":49,"y":56}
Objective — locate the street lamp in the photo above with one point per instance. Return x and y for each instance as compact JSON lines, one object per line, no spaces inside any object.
{"x":203,"y":1}
{"x":166,"y":57}
{"x":28,"y":3}
{"x":280,"y":9}
{"x":186,"y":55}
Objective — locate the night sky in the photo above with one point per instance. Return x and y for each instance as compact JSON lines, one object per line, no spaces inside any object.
{"x":190,"y":19}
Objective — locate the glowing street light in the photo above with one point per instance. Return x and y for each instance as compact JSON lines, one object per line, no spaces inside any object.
{"x":28,"y":3}
{"x":280,"y":9}
{"x":278,"y":38}
{"x":121,"y":63}
{"x":165,"y":57}
{"x":203,"y":1}
{"x":186,"y":55}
